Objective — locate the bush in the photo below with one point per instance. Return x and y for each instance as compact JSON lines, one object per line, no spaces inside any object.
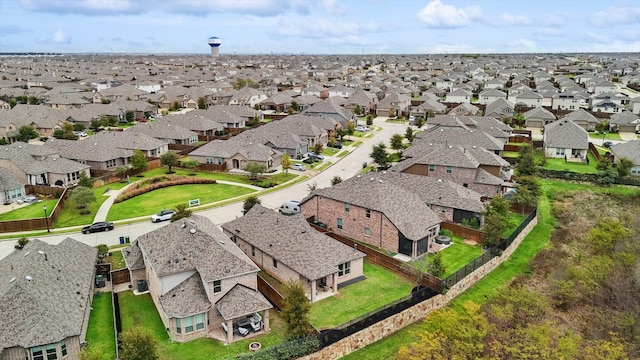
{"x":287,"y":350}
{"x":446,"y":232}
{"x":159,"y":182}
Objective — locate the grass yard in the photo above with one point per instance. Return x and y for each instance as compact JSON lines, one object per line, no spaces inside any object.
{"x":101,"y":331}
{"x":30,"y":211}
{"x":71,"y":216}
{"x":324,"y":165}
{"x":329,"y":151}
{"x":521,"y":144}
{"x":357,"y":143}
{"x":167,"y":198}
{"x":343,"y":153}
{"x":577,"y":167}
{"x":454,"y":257}
{"x":140,"y":311}
{"x":243,"y":179}
{"x":116,"y":259}
{"x":397,"y":121}
{"x":510,"y":154}
{"x":381,"y":287}
{"x":607,"y":136}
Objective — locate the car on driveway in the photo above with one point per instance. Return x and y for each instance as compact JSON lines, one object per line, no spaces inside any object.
{"x":607,"y":144}
{"x":298,"y":167}
{"x":163,"y":215}
{"x":362,"y":128}
{"x":315,"y":157}
{"x":97,"y":227}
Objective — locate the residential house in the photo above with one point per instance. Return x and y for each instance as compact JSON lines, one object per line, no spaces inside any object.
{"x":279,"y":102}
{"x":527,"y":99}
{"x":197,"y":121}
{"x":625,"y":122}
{"x":634,"y":105}
{"x":489,"y":95}
{"x":166,"y":131}
{"x":236,"y":153}
{"x":464,"y":109}
{"x":288,"y":248}
{"x":122,"y":92}
{"x":315,"y":90}
{"x":67,"y":101}
{"x":227,"y":116}
{"x":629,"y":150}
{"x":604,"y":86}
{"x":378,"y":212}
{"x":583,"y":118}
{"x":459,"y":96}
{"x":330,"y":109}
{"x":40,"y":165}
{"x":500,"y":108}
{"x":341,"y":90}
{"x":367,"y":101}
{"x":459,"y":136}
{"x":394,"y":104}
{"x":538,"y":117}
{"x":248,"y":97}
{"x":306,"y":101}
{"x":45,"y":300}
{"x":496,"y":83}
{"x":11,"y":188}
{"x":201,"y":283}
{"x":565,"y":139}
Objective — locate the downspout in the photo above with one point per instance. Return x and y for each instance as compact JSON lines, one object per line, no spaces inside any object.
{"x":380,"y":231}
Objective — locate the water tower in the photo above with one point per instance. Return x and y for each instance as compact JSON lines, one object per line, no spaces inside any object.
{"x":215,"y":43}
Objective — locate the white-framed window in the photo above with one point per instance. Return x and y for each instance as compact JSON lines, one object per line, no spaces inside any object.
{"x":347,"y":207}
{"x":178,"y":326}
{"x":368,"y":213}
{"x":367,"y":232}
{"x":111,"y":163}
{"x":344,"y":269}
{"x":449,"y":169}
{"x":253,"y":250}
{"x":188,"y":324}
{"x":275,"y":263}
{"x":37,"y":353}
{"x":339,"y":223}
{"x":559,"y":151}
{"x":199,"y":321}
{"x":217,"y":286}
{"x":220,"y":161}
{"x":63,"y":348}
{"x":443,"y":209}
{"x":73,"y":176}
{"x":208,"y":160}
{"x":52,"y":352}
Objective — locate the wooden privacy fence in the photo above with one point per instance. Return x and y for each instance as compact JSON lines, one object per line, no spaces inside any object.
{"x":37,"y":223}
{"x":463,"y":231}
{"x":270,"y":293}
{"x":120,"y":276}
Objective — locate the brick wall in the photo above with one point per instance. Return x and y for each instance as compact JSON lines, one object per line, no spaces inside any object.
{"x":414,"y":314}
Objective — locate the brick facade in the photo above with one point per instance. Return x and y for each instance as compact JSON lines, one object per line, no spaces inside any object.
{"x":19,"y":353}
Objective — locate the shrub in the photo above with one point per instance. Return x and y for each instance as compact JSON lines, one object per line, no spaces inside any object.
{"x":287,"y":350}
{"x":159,"y":182}
{"x":446,"y":232}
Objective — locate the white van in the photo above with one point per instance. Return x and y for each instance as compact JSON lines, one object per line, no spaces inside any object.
{"x":290,"y":207}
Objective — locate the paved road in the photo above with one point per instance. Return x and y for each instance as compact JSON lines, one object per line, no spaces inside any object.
{"x":344,"y":167}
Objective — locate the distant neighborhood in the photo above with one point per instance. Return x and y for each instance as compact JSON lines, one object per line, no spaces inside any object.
{"x":67,"y":118}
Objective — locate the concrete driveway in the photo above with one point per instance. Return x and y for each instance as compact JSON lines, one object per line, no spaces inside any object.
{"x":344,"y":167}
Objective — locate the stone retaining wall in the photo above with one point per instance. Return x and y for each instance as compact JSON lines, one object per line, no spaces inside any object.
{"x":416,"y":313}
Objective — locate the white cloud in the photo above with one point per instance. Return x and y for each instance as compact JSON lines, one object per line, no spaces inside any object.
{"x":58,"y":37}
{"x":438,"y":15}
{"x":319,"y":28}
{"x":450,"y":49}
{"x":332,"y":7}
{"x":515,"y":19}
{"x":617,"y":16}
{"x":522,"y":45}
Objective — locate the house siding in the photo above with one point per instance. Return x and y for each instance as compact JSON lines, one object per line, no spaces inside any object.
{"x":18,"y":352}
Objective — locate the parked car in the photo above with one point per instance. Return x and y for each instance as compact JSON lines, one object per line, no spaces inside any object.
{"x":315,"y":156}
{"x":298,"y":167}
{"x":97,"y":227}
{"x":290,"y":207}
{"x":162,"y":216}
{"x":335,"y":145}
{"x":607,"y":144}
{"x":80,"y":133}
{"x":362,"y":128}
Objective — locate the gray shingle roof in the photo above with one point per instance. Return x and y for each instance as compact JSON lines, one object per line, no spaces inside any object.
{"x":52,"y":305}
{"x":459,"y":137}
{"x":8,"y":181}
{"x":565,"y":134}
{"x":629,"y":150}
{"x":241,"y":301}
{"x":292,"y":241}
{"x":188,"y":298}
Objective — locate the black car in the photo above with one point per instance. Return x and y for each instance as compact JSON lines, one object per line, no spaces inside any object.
{"x":97,"y":227}
{"x":607,"y":144}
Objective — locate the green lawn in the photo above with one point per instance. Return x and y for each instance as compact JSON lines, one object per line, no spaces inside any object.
{"x":357,"y":143}
{"x":101,"y":331}
{"x":577,"y":167}
{"x":343,"y":153}
{"x":167,"y":198}
{"x":140,"y":311}
{"x":510,"y":154}
{"x":397,"y":121}
{"x":71,"y":216}
{"x":607,"y":136}
{"x":116,"y":259}
{"x":30,"y":211}
{"x":381,"y":287}
{"x":454,"y":257}
{"x":324,"y":165}
{"x":521,"y":144}
{"x":329,"y":151}
{"x":278,"y":178}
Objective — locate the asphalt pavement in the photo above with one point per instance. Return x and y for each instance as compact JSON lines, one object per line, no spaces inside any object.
{"x":345,"y":167}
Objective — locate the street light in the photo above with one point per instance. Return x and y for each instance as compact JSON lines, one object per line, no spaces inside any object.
{"x":46,"y":219}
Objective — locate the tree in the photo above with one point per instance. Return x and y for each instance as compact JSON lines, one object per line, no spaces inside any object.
{"x":22,"y":242}
{"x":202,"y":103}
{"x":130,"y":116}
{"x":624,"y":167}
{"x":181,"y":212}
{"x":419,"y":122}
{"x":408,"y":134}
{"x":396,"y":141}
{"x":317,"y":148}
{"x":255,"y":169}
{"x":78,"y":127}
{"x":369,"y":120}
{"x":286,"y":163}
{"x":121,"y":171}
{"x":95,"y":125}
{"x":169,"y":159}
{"x":524,"y":198}
{"x":495,"y":221}
{"x":312,"y":187}
{"x":250,"y":202}
{"x":380,"y":155}
{"x":351,"y":128}
{"x":81,"y":197}
{"x":26,"y":133}
{"x":138,"y":160}
{"x":85,"y":181}
{"x":336,"y":180}
{"x":526,"y":165}
{"x":138,"y":344}
{"x":295,"y":311}
{"x":436,"y":266}
{"x":530,"y":183}
{"x":357,"y":110}
{"x":175,"y":106}
{"x":295,"y":106}
{"x":190,"y":164}
{"x":103,"y":249}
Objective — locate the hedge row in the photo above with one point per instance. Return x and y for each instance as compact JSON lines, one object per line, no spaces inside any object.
{"x":163,"y":183}
{"x":584,"y":177}
{"x":287,"y":350}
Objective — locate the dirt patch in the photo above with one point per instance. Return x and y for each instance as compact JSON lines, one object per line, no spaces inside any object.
{"x":470,"y":242}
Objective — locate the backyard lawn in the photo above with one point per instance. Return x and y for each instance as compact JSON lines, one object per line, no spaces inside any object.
{"x":577,"y":167}
{"x":167,"y":198}
{"x":454,"y":257}
{"x":31,"y":211}
{"x":381,"y":287}
{"x":116,"y":259}
{"x":140,"y":311}
{"x":101,"y":331}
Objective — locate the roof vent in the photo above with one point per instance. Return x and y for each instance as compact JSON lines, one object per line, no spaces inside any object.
{"x":380,"y":181}
{"x":439,"y":180}
{"x":12,"y":279}
{"x":359,"y":176}
{"x":184,"y":225}
{"x":384,"y":172}
{"x":28,"y":277}
{"x":27,"y":253}
{"x":222,"y":242}
{"x":40,"y":252}
{"x":192,"y":231}
{"x":474,"y":146}
{"x":371,"y":179}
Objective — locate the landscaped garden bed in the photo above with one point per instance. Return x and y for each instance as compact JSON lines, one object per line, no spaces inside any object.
{"x":159,"y":182}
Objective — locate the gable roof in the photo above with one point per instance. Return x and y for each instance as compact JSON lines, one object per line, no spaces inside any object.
{"x":52,"y":304}
{"x":629,"y":150}
{"x":565,"y":133}
{"x":460,"y":137}
{"x":241,"y":301}
{"x":539,"y":113}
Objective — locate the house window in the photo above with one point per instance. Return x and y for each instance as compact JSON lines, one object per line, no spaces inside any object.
{"x":465,"y":185}
{"x":220,"y":161}
{"x":449,"y":169}
{"x":367,"y":232}
{"x":199,"y":321}
{"x":432,"y":168}
{"x":443,"y":209}
{"x":253,"y":250}
{"x":339,"y":223}
{"x":559,"y":151}
{"x":217,"y":286}
{"x":368,"y":213}
{"x":208,"y":160}
{"x":188,"y":324}
{"x":346,"y":207}
{"x":63,"y":347}
{"x":178,"y":326}
{"x":344,"y":269}
{"x":52,"y":352}
{"x":275,"y":263}
{"x":111,"y":163}
{"x":73,"y":176}
{"x":37,"y":353}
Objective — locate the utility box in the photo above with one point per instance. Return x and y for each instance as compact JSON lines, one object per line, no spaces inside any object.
{"x":142,"y":286}
{"x":100,"y":283}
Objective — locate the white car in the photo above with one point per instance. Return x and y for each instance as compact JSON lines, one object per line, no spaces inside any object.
{"x":362,"y":128}
{"x":298,"y":167}
{"x":162,"y":216}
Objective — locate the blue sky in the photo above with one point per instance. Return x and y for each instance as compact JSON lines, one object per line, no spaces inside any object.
{"x":320,"y":26}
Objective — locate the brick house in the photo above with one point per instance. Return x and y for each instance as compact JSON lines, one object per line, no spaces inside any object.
{"x":378,"y":212}
{"x":200,"y":282}
{"x":45,"y":300}
{"x":288,"y":248}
